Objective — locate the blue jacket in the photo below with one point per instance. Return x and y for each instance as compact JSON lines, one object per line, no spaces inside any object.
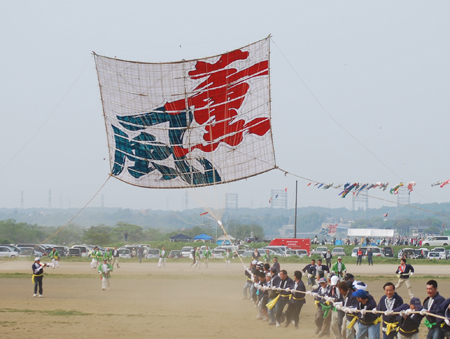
{"x":410,"y":324}
{"x":398,"y":301}
{"x":435,"y":308}
{"x":369,"y":317}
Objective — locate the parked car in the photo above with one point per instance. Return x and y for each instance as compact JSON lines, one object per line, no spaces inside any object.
{"x":355,"y":251}
{"x":437,"y":241}
{"x":320,"y":250}
{"x":152,"y":253}
{"x":406,"y":253}
{"x":387,"y":252}
{"x":300,"y":253}
{"x":26,"y":252}
{"x":37,"y":248}
{"x":14,"y":248}
{"x":441,"y":251}
{"x":186,"y":251}
{"x":175,"y":254}
{"x":124,"y":253}
{"x":376,"y":251}
{"x":338,"y":252}
{"x":218,"y":253}
{"x":434,"y":255}
{"x":74,"y":252}
{"x":8,"y":252}
{"x":84,"y":249}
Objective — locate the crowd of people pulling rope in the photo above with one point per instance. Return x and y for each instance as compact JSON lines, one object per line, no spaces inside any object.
{"x":344,"y":307}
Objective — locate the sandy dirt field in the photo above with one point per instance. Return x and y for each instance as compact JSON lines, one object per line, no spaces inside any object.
{"x":175,"y":302}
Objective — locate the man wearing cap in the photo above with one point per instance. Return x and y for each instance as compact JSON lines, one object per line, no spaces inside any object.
{"x":369,"y":323}
{"x":54,"y":255}
{"x":408,"y":324}
{"x":432,"y":304}
{"x":323,"y":311}
{"x":115,"y":257}
{"x":339,"y":268}
{"x":38,"y":276}
{"x":350,"y":304}
{"x":403,"y":273}
{"x":104,"y":270}
{"x":336,"y":315}
{"x":327,"y":256}
{"x":388,"y":303}
{"x":310,"y":269}
{"x":297,"y":300}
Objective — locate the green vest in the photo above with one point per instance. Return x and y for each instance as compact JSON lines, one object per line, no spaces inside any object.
{"x":54,"y":255}
{"x":100,"y":270}
{"x":107,"y":255}
{"x":207,"y":254}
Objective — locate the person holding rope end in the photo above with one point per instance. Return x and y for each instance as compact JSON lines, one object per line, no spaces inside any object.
{"x":297,"y":301}
{"x":38,"y":276}
{"x":408,"y":324}
{"x":324,"y":308}
{"x":403,"y":273}
{"x":432,"y":304}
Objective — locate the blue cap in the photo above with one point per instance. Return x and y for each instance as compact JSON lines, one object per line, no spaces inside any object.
{"x":360,"y":294}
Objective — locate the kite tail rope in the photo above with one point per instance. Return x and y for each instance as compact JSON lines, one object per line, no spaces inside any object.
{"x":370,"y":196}
{"x":67,"y":223}
{"x":235,"y":248}
{"x":344,"y":309}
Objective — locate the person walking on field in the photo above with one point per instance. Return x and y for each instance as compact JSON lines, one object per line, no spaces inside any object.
{"x":198,"y":262}
{"x":327,"y":256}
{"x":38,"y":276}
{"x":193,"y":256}
{"x":206,"y":256}
{"x":105,"y":270}
{"x":95,"y":255}
{"x":162,"y":258}
{"x":403,"y":273}
{"x":228,"y":258}
{"x":339,"y":269}
{"x":115,"y":257}
{"x":370,"y":257}
{"x":54,"y":255}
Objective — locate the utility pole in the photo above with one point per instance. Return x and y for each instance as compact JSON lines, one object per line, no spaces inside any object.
{"x":295,"y":222}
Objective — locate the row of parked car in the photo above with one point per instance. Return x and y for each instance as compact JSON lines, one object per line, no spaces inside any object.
{"x":30,"y":250}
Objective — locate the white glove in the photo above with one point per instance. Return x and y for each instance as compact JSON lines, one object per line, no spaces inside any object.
{"x":388,"y":312}
{"x":363,"y":312}
{"x":344,"y":309}
{"x":288,"y":289}
{"x":408,"y":311}
{"x":447,"y":321}
{"x":314,"y":294}
{"x":352,"y":310}
{"x":308,"y":292}
{"x":402,"y":313}
{"x":423,"y":311}
{"x":310,"y":275}
{"x":279,"y":289}
{"x":398,"y":275}
{"x":374,"y":311}
{"x":338,"y":304}
{"x":411,"y":274}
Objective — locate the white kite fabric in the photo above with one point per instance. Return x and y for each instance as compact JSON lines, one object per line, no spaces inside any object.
{"x":189,"y":123}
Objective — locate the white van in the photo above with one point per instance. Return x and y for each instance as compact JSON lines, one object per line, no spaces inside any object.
{"x":437,"y":241}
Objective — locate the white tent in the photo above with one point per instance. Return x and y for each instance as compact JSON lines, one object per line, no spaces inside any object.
{"x":370,"y":232}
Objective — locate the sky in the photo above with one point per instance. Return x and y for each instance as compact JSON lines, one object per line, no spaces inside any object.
{"x":359,"y":94}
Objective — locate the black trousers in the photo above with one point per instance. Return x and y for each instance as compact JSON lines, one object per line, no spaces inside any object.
{"x":280,"y":307}
{"x":293,"y":313}
{"x":38,"y":281}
